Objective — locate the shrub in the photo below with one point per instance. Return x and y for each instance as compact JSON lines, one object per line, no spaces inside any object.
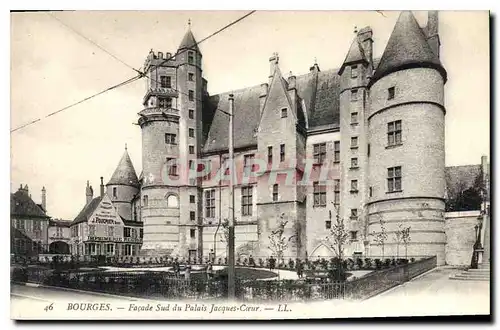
{"x":245,"y":261}
{"x":412,"y":259}
{"x":394,"y":262}
{"x":387,"y":263}
{"x":378,"y":263}
{"x":359,"y":263}
{"x":291,"y":263}
{"x":349,"y":264}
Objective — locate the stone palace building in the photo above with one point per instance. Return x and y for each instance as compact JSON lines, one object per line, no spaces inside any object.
{"x":364,"y":142}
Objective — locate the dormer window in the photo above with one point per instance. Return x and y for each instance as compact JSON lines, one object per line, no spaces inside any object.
{"x":284,"y":113}
{"x":391,"y":92}
{"x":354,"y":71}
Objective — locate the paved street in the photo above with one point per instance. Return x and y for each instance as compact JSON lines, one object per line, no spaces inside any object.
{"x":435,"y":294}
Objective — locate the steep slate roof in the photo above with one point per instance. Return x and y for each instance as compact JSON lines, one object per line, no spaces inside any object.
{"x":132,"y":223}
{"x":124,"y":173}
{"x":355,"y":54}
{"x":60,"y":223}
{"x":246,"y":119}
{"x":22,"y":205}
{"x":87,"y":211}
{"x":407,"y":47}
{"x":189,"y":41}
{"x":320,"y":94}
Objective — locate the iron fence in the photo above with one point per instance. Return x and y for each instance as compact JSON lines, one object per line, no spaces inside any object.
{"x":171,"y":286}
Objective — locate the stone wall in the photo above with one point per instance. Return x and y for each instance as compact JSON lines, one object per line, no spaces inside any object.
{"x":460,"y":234}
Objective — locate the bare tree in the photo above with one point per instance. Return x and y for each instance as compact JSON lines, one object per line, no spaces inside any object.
{"x":278,"y":242}
{"x":398,"y":238}
{"x":406,"y":238}
{"x":381,"y":236}
{"x":338,"y":235}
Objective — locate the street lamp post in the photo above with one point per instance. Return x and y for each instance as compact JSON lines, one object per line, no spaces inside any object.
{"x":230,"y":243}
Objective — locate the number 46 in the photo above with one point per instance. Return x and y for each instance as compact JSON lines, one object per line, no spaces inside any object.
{"x":49,"y":307}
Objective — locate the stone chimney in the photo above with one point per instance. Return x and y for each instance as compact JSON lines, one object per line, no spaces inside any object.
{"x":432,"y":30}
{"x":44,"y":199}
{"x":273,"y":64}
{"x":102,"y":187}
{"x":89,"y":193}
{"x":365,"y":38}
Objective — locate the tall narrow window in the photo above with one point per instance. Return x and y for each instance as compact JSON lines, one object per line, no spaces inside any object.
{"x":192,"y":215}
{"x":246,"y":200}
{"x":354,"y":117}
{"x":354,"y":214}
{"x":354,"y":235}
{"x":391,"y":91}
{"x":354,"y":186}
{"x":91,"y":230}
{"x":190,"y":76}
{"x":319,"y":194}
{"x":191,"y":114}
{"x":336,"y":151}
{"x":191,"y":95}
{"x":171,"y":166}
{"x":275,"y":193}
{"x":354,"y":162}
{"x":114,"y":192}
{"x":192,"y":233}
{"x":270,"y":154}
{"x":145,"y":200}
{"x":354,"y":142}
{"x":192,"y":199}
{"x":191,"y":132}
{"x":210,"y":203}
{"x":394,"y":133}
{"x":248,"y":162}
{"x":191,"y":149}
{"x":319,"y":153}
{"x":190,"y":58}
{"x":354,"y":71}
{"x":284,"y":113}
{"x":354,"y":95}
{"x":336,"y":191}
{"x":282,"y":152}
{"x":394,"y":179}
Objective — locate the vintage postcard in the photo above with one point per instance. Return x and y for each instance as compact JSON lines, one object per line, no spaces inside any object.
{"x":249,"y":164}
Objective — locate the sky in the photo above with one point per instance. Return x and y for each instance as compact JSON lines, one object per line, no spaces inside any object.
{"x":52,"y":67}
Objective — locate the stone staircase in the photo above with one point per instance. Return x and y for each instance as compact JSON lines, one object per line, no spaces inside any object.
{"x":480,"y":274}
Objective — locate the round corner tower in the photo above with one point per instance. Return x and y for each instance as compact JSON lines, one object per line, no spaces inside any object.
{"x":171,"y":133}
{"x":406,"y":135}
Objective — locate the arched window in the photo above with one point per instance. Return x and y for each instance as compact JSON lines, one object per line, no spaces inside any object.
{"x":172,"y":201}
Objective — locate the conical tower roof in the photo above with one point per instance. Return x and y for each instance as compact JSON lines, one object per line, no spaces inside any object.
{"x":355,"y":54}
{"x":189,"y":41}
{"x":407,"y":47}
{"x":124,"y":173}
